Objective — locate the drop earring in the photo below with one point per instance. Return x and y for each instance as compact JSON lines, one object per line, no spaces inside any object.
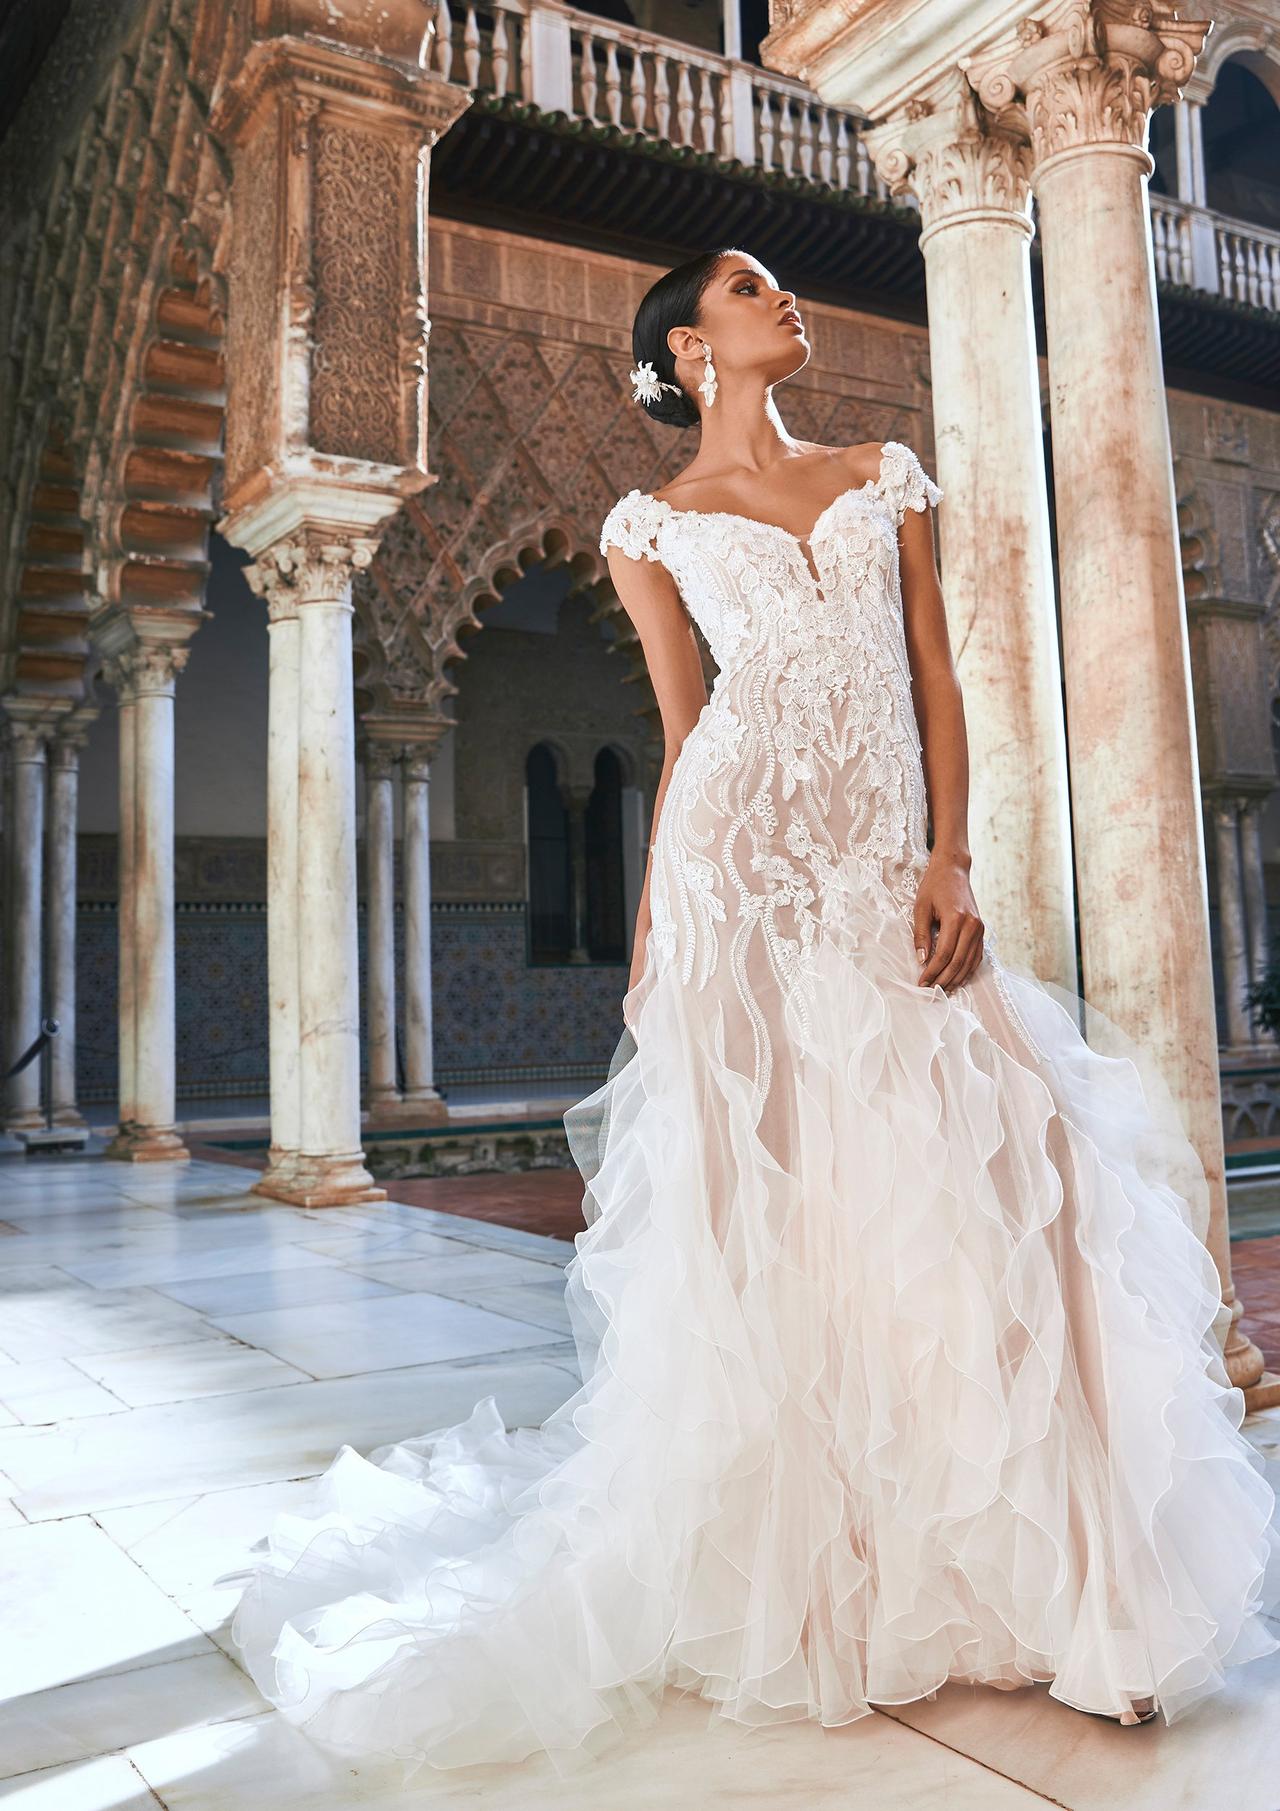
{"x":708,"y":384}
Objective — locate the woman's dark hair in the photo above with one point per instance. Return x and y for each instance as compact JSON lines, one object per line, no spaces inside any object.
{"x":674,"y":301}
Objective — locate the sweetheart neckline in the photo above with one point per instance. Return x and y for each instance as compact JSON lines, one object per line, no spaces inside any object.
{"x":805,"y":540}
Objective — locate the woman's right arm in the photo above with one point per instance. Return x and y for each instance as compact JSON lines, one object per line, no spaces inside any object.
{"x":648,"y":594}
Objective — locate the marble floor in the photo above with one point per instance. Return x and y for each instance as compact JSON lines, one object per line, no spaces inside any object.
{"x":178,"y":1357}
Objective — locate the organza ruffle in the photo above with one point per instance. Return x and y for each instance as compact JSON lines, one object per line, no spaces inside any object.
{"x":902,"y":1373}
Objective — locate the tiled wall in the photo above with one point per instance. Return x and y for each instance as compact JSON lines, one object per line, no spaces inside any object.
{"x":496,"y":1019}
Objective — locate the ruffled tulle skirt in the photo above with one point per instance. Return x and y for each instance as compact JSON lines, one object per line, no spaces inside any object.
{"x":900,"y":1370}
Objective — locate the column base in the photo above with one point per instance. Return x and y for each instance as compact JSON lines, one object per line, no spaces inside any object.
{"x":1264,"y":1394}
{"x":134,"y":1143}
{"x":425,"y":1109}
{"x":71,"y":1117}
{"x":328,"y":1181}
{"x":280,"y":1173}
{"x":19,"y":1123}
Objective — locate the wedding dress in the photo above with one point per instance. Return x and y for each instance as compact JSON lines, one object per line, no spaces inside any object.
{"x":896,"y":1327}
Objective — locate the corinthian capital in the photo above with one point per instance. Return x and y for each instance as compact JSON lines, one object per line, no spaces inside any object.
{"x":1088,"y":72}
{"x":145,"y":670}
{"x":947,"y":150}
{"x":313,"y":565}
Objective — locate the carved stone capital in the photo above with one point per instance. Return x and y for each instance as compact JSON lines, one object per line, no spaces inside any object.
{"x":379,"y":760}
{"x":1088,"y":73}
{"x":957,"y":161}
{"x":146,"y":670}
{"x":313,"y":566}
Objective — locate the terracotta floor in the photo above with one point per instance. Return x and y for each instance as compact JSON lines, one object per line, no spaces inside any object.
{"x":1255,"y":1265}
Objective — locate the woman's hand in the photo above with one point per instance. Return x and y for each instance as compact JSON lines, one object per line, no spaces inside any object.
{"x":945,"y":895}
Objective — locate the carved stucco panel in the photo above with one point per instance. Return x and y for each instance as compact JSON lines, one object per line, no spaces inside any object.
{"x":252,"y":368}
{"x":358,"y":256}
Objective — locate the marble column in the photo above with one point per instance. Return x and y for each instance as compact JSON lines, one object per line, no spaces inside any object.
{"x":28,"y":754}
{"x":1255,"y":893}
{"x":60,"y":918}
{"x":1084,"y":86}
{"x":308,"y":573}
{"x":283,"y":974}
{"x":380,"y":927}
{"x":1232,"y":930}
{"x":420,"y":1090}
{"x":144,"y":673}
{"x":972,"y":182}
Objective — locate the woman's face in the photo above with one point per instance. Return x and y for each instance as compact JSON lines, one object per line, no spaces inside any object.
{"x":751,"y":326}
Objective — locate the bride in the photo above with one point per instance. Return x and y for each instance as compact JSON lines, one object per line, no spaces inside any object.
{"x":896,"y":1327}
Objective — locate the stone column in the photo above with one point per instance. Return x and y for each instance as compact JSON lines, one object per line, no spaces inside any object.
{"x":1255,"y":889}
{"x":283,"y":955}
{"x":380,"y":927}
{"x":64,"y":777}
{"x":1084,"y":82}
{"x":420,"y":1090}
{"x":972,"y":181}
{"x":143,"y":666}
{"x":28,"y":745}
{"x":1232,"y":931}
{"x":308,"y":576}
{"x":326,"y":121}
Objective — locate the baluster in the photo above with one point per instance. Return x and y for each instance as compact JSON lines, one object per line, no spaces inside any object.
{"x":1159,"y":245}
{"x":1241,"y":291}
{"x":526,"y":60}
{"x":501,"y":54}
{"x":707,"y":110}
{"x":1271,"y":292}
{"x":1184,"y":249}
{"x":843,"y":158}
{"x":444,"y":39}
{"x":766,"y":130}
{"x":724,"y":106}
{"x":1252,"y":286}
{"x":471,"y":48}
{"x":612,"y":85}
{"x":662,"y":94}
{"x":824,"y":145}
{"x":684,"y":105}
{"x":806,"y":140}
{"x":866,"y":169}
{"x":786,"y":134}
{"x":587,"y":73}
{"x":639,"y":94}
{"x":1224,"y":264}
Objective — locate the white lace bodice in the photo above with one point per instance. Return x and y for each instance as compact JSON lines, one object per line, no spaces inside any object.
{"x":806,"y":756}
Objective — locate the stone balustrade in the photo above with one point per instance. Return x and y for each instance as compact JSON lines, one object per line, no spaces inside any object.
{"x":565,"y":61}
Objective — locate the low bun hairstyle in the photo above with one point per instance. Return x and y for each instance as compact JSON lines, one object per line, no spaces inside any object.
{"x":674,"y":301}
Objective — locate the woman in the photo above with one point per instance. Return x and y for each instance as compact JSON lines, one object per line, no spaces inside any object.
{"x":895,"y":1320}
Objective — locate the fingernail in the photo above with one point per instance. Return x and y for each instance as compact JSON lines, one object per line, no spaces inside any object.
{"x":920,"y":954}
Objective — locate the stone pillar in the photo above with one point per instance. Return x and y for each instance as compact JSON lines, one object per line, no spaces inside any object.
{"x":143,"y":662}
{"x":420,"y":1092}
{"x":283,"y":955}
{"x":308,"y":576}
{"x":1255,"y":890}
{"x":1232,"y":930}
{"x":327,"y":123}
{"x":972,"y":182}
{"x":1084,"y":82}
{"x":28,"y":746}
{"x":64,"y":777}
{"x":380,"y":927}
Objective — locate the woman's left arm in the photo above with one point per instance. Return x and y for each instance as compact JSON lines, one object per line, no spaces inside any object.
{"x":944,"y":898}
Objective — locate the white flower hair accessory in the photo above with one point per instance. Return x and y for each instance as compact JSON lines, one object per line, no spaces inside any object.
{"x":648,"y":385}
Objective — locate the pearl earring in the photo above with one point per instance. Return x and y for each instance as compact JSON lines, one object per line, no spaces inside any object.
{"x":708,"y":384}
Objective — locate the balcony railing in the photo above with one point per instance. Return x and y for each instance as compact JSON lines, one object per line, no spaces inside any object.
{"x":612,"y":75}
{"x":565,"y":61}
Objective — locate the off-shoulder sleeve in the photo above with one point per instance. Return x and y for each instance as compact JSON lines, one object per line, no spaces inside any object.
{"x":632,"y":525}
{"x":904,"y":481}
